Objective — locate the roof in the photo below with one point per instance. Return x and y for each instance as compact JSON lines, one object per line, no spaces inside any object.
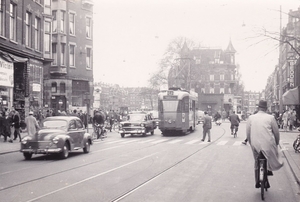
{"x":230,"y":48}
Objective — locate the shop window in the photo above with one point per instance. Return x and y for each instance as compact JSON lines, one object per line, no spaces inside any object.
{"x":54,"y":87}
{"x":62,"y":87}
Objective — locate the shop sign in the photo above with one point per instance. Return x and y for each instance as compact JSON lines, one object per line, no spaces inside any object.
{"x":6,"y":73}
{"x":36,"y":87}
{"x":4,"y":93}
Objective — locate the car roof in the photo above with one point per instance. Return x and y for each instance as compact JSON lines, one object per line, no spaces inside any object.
{"x":67,"y":118}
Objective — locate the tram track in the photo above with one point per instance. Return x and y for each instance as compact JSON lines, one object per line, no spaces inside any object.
{"x":69,"y":169}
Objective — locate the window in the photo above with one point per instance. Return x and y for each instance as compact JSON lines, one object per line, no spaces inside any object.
{"x":72,"y":55}
{"x":62,"y":87}
{"x":47,"y":37}
{"x":72,"y":23}
{"x":222,"y":77}
{"x":28,"y":29}
{"x":62,"y":22}
{"x":63,"y":54}
{"x":2,"y":13}
{"x":222,"y":90}
{"x":54,"y":54}
{"x":12,"y":22}
{"x":88,"y":58}
{"x":53,"y":87}
{"x":212,"y":90}
{"x":47,"y":8}
{"x":54,"y":22}
{"x":88,"y":27}
{"x":37,"y":33}
{"x":211,"y":77}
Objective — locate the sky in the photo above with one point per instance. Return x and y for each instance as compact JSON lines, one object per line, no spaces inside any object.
{"x":131,"y":36}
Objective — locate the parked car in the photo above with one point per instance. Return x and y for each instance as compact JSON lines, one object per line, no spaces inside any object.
{"x":58,"y":135}
{"x":137,"y":123}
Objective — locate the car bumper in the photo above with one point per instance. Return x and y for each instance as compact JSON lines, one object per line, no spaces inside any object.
{"x":42,"y":151}
{"x":132,"y":131}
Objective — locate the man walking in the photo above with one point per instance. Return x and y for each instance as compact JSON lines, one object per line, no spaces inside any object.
{"x":31,"y":124}
{"x":206,"y":126}
{"x":234,"y":120}
{"x":263,"y":136}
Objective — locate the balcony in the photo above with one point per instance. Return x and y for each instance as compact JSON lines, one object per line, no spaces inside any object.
{"x":58,"y":70}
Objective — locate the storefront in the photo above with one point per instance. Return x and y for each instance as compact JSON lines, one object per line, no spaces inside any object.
{"x":6,"y":83}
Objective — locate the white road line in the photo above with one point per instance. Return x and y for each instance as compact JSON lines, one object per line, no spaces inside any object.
{"x":237,"y":143}
{"x":193,"y":141}
{"x":90,"y":178}
{"x":129,"y":141}
{"x":158,"y":141}
{"x":144,"y":141}
{"x":174,"y":141}
{"x":205,"y":142}
{"x":116,"y":141}
{"x":222,"y":142}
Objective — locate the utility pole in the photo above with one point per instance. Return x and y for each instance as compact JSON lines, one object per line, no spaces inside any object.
{"x":280,"y":66}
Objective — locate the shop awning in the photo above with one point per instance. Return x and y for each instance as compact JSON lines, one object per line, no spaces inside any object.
{"x":291,"y":97}
{"x":12,"y":58}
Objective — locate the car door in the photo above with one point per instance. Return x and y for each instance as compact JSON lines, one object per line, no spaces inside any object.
{"x":81,"y":131}
{"x":73,"y":133}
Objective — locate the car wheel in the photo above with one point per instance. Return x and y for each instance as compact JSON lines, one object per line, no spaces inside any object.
{"x":87,"y":147}
{"x":65,"y":152}
{"x":27,"y":155}
{"x":152,"y":132}
{"x":122,"y":134}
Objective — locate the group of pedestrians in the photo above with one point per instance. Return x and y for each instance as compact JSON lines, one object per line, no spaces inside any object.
{"x":10,"y":123}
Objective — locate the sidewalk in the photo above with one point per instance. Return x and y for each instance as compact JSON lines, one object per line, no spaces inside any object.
{"x":286,"y":145}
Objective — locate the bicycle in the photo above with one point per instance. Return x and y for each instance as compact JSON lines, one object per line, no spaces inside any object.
{"x":234,"y":131}
{"x":99,"y":131}
{"x":262,"y":174}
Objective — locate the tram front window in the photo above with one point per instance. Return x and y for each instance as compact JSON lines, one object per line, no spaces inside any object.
{"x":170,"y":106}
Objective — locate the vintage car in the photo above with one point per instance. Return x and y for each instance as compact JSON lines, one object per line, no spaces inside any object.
{"x":58,"y":135}
{"x":137,"y":123}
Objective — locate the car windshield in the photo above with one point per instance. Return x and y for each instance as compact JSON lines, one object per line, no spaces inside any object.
{"x":54,"y":124}
{"x":136,"y":117}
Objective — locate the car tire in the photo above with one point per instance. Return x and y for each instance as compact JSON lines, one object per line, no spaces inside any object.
{"x":27,"y":155}
{"x":87,"y":147}
{"x":152,"y":132}
{"x":65,"y":151}
{"x":122,"y":135}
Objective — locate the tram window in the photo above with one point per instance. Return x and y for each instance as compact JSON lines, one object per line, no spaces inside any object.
{"x":170,"y":106}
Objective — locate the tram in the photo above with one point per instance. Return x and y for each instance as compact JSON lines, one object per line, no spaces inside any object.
{"x":177,"y":111}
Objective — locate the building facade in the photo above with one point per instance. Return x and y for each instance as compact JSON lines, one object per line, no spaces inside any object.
{"x":21,"y":54}
{"x":68,"y":79}
{"x":211,"y":73}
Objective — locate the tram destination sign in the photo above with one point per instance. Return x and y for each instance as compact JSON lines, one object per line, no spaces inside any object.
{"x":170,"y":97}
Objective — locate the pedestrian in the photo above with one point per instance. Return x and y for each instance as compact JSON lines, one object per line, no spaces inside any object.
{"x":31,"y":124}
{"x":263,"y":135}
{"x":292,"y":120}
{"x":206,"y":126}
{"x":3,"y":126}
{"x":16,"y":124}
{"x":235,"y":121}
{"x":285,"y":120}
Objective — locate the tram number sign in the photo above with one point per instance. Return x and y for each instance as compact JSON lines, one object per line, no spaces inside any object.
{"x":170,"y":97}
{"x":170,"y":92}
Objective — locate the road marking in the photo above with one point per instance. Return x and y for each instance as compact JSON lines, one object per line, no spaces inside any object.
{"x":144,"y":141}
{"x":204,"y":142}
{"x":174,"y":141}
{"x":116,"y":141}
{"x":90,"y":178}
{"x":237,"y":143}
{"x":222,"y":142}
{"x":129,"y":141}
{"x":193,"y":141}
{"x":158,"y":141}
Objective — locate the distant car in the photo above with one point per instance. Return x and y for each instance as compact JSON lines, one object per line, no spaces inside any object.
{"x":200,"y":115}
{"x":154,"y":115}
{"x":137,"y":123}
{"x":58,"y":135}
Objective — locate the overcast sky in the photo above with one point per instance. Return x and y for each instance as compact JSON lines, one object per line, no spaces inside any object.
{"x":131,"y":36}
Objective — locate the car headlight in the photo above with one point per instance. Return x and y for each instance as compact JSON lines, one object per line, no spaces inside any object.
{"x":142,"y":124}
{"x":55,"y":140}
{"x":25,"y":140}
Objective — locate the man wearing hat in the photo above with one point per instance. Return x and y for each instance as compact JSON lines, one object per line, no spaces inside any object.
{"x":263,"y":136}
{"x":31,"y":124}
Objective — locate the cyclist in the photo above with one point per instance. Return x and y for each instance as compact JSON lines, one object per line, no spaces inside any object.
{"x":263,"y":136}
{"x":98,"y":119}
{"x":234,"y":120}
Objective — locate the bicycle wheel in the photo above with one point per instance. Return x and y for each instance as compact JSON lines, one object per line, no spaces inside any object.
{"x":262,"y":178}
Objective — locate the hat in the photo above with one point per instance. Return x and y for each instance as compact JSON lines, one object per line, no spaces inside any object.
{"x":31,"y":113}
{"x":262,"y":104}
